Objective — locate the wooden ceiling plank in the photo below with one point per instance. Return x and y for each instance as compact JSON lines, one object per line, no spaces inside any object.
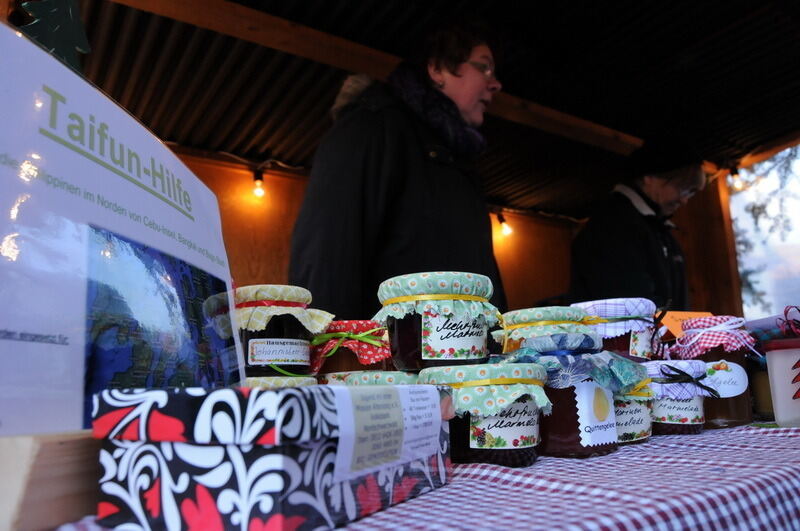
{"x":266,"y":30}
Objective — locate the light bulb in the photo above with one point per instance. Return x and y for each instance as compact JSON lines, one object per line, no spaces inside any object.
{"x":506,"y":228}
{"x":258,"y":190}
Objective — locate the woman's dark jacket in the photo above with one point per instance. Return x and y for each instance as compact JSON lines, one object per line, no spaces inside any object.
{"x":386,"y":197}
{"x":627,"y":250}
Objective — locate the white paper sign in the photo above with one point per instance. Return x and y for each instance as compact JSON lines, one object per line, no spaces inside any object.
{"x":109,"y":249}
{"x":596,"y":420}
{"x":384,"y":425}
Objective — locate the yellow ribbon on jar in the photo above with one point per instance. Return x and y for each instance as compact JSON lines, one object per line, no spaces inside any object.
{"x":435,"y":297}
{"x":496,"y":381}
{"x":641,"y":390}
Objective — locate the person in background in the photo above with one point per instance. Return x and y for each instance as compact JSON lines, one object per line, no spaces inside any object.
{"x":627,"y":248}
{"x":391,"y":188}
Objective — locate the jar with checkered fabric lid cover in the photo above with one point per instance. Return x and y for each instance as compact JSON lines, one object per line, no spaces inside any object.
{"x":626,"y":325}
{"x":723,"y":344}
{"x":680,"y":388}
{"x":276,"y":327}
{"x":437,"y":318}
{"x":348,"y":346}
{"x":497,"y":411}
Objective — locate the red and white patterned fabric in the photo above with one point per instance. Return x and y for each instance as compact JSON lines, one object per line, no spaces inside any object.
{"x":366,"y":353}
{"x":704,"y":333}
{"x":739,"y":478}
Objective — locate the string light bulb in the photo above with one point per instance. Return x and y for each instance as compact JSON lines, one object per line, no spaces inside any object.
{"x":258,"y":181}
{"x":738,"y":183}
{"x":505,"y":228}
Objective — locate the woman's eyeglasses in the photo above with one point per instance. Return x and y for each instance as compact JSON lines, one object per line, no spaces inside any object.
{"x":485,"y":69}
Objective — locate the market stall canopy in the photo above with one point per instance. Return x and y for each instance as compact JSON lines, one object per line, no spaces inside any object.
{"x":584,"y":83}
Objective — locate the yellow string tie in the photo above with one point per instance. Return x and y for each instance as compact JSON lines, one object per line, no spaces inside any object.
{"x":585,"y":321}
{"x":496,"y":381}
{"x":435,"y":297}
{"x":639,"y":389}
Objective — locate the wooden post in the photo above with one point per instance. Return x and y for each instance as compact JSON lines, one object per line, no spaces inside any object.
{"x":5,"y":9}
{"x":705,"y":231}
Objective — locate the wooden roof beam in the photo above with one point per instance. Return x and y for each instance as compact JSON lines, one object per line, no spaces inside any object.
{"x":260,"y":28}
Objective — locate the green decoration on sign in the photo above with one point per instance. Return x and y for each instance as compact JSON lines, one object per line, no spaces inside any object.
{"x":58,"y":28}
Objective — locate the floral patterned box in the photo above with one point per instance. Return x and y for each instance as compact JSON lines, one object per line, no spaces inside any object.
{"x":242,"y":458}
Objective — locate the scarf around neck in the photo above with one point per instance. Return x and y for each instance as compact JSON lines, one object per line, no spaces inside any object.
{"x":436,"y":110}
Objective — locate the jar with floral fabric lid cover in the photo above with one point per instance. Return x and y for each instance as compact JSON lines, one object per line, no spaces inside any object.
{"x":723,"y":344}
{"x":497,"y":411}
{"x":276,"y":327}
{"x":437,"y":318}
{"x":581,"y":387}
{"x":680,"y":387}
{"x":626,"y":325}
{"x":351,"y":345}
{"x":381,"y":378}
{"x":519,"y":325}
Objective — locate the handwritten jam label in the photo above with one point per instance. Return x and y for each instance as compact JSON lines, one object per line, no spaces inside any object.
{"x":684,"y":411}
{"x":596,"y":420}
{"x":273,"y":351}
{"x":641,"y":344}
{"x":517,"y":426}
{"x":633,"y":420}
{"x":729,"y":379}
{"x":453,"y":337}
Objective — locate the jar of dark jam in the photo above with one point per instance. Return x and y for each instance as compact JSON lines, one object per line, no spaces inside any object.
{"x":634,"y":419}
{"x":348,"y":346}
{"x":628,"y":330}
{"x":276,"y":327}
{"x":497,"y":411}
{"x":437,"y":319}
{"x":678,"y":406}
{"x":565,"y":435}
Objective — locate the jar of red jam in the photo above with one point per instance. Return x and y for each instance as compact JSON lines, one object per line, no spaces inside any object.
{"x":520,"y":325}
{"x":583,"y":421}
{"x":437,"y":319}
{"x":634,"y":409}
{"x":722,"y":343}
{"x":276,"y":327}
{"x":680,"y":388}
{"x":626,"y":325}
{"x":351,"y":346}
{"x":498,"y":407}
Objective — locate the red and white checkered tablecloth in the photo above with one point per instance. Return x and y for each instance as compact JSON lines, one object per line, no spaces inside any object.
{"x":742,"y":478}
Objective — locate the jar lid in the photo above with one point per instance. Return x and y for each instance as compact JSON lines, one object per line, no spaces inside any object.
{"x":276,"y":382}
{"x":335,"y":378}
{"x":679,"y":379}
{"x":441,"y":292}
{"x":257,"y":304}
{"x":633,"y":314}
{"x":607,"y":369}
{"x":781,"y":344}
{"x":565,"y":343}
{"x":216,"y":309}
{"x":381,"y":378}
{"x":702,"y":334}
{"x":488,"y":388}
{"x":533,"y":322}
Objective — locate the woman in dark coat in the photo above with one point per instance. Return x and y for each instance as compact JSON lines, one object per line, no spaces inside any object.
{"x":391,"y":191}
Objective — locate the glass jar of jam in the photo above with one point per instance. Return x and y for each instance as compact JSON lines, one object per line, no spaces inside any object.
{"x":722,"y":343}
{"x":634,"y":418}
{"x":437,"y":319}
{"x":628,"y":330}
{"x":497,"y":411}
{"x":679,"y":390}
{"x":347,"y":346}
{"x":520,"y":325}
{"x":276,"y":327}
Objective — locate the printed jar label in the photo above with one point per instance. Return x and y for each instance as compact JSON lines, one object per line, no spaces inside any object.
{"x":596,"y":420}
{"x":517,"y":426}
{"x":633,"y":419}
{"x":273,"y":351}
{"x":728,"y":378}
{"x":684,"y":411}
{"x":453,"y":337}
{"x":641,"y":344}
